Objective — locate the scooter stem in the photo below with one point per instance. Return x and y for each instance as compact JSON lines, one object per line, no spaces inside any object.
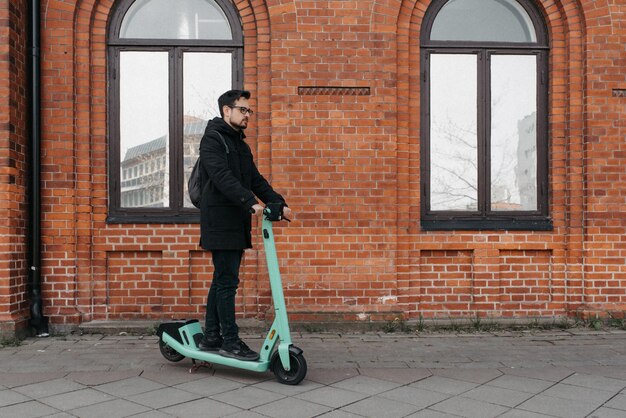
{"x":281,"y":320}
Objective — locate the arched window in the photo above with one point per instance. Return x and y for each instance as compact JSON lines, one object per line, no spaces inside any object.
{"x":484,"y":135}
{"x":168,"y":63}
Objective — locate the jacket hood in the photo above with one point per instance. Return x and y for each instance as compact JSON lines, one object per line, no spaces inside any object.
{"x":218,"y":124}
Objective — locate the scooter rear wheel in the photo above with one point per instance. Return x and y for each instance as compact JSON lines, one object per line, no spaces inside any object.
{"x":297,"y":369}
{"x":169,"y":353}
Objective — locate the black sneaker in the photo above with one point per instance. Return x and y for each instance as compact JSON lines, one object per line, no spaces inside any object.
{"x":238,"y":350}
{"x":210,"y":343}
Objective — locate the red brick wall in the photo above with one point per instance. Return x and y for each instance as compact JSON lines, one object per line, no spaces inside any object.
{"x":13,"y":166}
{"x":604,"y":156}
{"x":349,"y":166}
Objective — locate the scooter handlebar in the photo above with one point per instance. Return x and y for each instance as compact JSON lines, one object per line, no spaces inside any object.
{"x":274,"y":215}
{"x":274,"y":212}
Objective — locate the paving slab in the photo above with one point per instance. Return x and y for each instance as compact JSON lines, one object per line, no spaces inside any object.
{"x":615,"y":372}
{"x":332,"y":396}
{"x":153,"y":414}
{"x":117,"y":408}
{"x":551,"y":374}
{"x":470,"y":408}
{"x":247,"y":397}
{"x":288,"y":390}
{"x":242,"y":376}
{"x":478,"y":375}
{"x":366,"y":385}
{"x":565,"y":391}
{"x":201,"y":408}
{"x":607,"y":413}
{"x":99,"y":378}
{"x":592,"y":381}
{"x":30,"y":409}
{"x":429,"y":413}
{"x":397,"y":375}
{"x":9,"y":397}
{"x":559,"y":407}
{"x":173,"y":377}
{"x":520,"y":384}
{"x":377,"y":406}
{"x":329,"y":376}
{"x":14,"y":379}
{"x":517,"y":413}
{"x":292,"y":408}
{"x":72,"y":400}
{"x":162,"y":398}
{"x":419,"y":397}
{"x":129,"y":387}
{"x":209,"y":386}
{"x":444,"y":385}
{"x":340,"y":414}
{"x":49,"y":388}
{"x":618,"y":402}
{"x":497,"y":396}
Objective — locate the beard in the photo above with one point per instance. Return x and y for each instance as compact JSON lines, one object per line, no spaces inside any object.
{"x":241,"y":125}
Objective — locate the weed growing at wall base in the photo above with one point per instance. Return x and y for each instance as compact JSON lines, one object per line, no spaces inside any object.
{"x":10,"y":342}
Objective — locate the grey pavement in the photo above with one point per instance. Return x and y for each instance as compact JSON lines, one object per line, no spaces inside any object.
{"x":569,"y":373}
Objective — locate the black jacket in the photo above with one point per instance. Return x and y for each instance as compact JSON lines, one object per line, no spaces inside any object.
{"x":231,"y":181}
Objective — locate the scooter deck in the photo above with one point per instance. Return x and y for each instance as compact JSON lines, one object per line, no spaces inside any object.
{"x":213,"y":357}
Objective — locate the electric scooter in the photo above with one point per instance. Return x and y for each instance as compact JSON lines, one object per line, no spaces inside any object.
{"x":179,"y":339}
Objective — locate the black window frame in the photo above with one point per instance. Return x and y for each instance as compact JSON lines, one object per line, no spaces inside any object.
{"x":176,"y":212}
{"x":484,"y":218}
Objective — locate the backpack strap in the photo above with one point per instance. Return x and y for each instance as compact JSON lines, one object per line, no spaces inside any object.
{"x":223,"y":142}
{"x":199,"y":162}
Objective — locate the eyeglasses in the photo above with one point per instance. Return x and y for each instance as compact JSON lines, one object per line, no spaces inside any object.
{"x":244,"y":110}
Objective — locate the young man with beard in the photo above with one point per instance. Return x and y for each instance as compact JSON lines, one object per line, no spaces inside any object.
{"x":232,"y":184}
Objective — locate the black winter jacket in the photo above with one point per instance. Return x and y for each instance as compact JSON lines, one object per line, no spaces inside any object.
{"x":231,"y":181}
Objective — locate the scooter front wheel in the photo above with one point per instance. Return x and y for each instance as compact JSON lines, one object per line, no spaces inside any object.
{"x":169,"y":353}
{"x":297,"y":369}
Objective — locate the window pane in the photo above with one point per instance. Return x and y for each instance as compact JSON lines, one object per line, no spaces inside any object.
{"x":483,"y":20}
{"x":180,"y":19}
{"x":144,"y":129}
{"x":205,"y":77}
{"x":513,"y":132}
{"x":453,"y":132}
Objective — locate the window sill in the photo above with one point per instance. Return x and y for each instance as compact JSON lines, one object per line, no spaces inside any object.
{"x":152,"y":218}
{"x":482,"y":224}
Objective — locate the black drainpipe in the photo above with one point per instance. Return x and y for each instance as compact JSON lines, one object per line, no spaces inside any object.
{"x":37,"y":320}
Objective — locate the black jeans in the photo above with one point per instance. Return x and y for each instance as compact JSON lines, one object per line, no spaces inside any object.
{"x":220,"y":305}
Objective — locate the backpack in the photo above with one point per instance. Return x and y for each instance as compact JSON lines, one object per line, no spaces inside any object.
{"x":194,"y":184}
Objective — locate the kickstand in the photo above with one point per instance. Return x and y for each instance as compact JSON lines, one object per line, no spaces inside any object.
{"x":197,"y":366}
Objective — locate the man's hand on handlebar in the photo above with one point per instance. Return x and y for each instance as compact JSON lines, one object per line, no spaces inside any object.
{"x":257,"y":210}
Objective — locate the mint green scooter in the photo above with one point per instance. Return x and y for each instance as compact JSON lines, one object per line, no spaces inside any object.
{"x":180,"y":339}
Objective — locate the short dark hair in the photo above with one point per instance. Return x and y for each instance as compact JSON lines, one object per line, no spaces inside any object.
{"x":230,"y":97}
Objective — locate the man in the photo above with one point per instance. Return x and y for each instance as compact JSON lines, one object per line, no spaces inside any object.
{"x":228,"y":200}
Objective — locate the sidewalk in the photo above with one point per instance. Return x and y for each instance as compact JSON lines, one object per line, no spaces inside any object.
{"x":571,"y":373}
